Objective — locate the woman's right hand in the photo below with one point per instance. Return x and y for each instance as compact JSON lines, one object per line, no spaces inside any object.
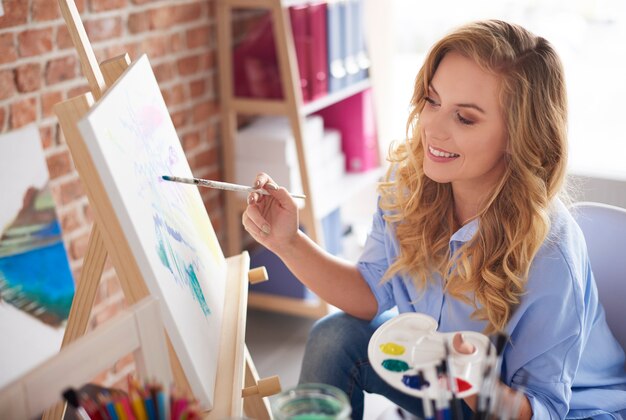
{"x":272,"y":220}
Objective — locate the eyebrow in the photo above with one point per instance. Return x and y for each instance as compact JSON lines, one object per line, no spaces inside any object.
{"x":462,"y":105}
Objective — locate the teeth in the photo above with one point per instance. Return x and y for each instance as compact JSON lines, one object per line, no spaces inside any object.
{"x":441,"y":154}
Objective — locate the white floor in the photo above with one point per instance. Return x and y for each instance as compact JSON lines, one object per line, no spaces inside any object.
{"x":276,"y":341}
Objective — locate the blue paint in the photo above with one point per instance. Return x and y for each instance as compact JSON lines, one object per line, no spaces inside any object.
{"x":415,"y":381}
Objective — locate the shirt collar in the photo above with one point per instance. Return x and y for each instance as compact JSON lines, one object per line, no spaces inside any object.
{"x":466,"y":232}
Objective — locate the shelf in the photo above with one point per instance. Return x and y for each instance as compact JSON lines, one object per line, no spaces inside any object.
{"x":258,"y":106}
{"x":333,"y":98}
{"x":345,"y":189}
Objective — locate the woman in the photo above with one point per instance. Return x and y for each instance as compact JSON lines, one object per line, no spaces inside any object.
{"x":471,"y":231}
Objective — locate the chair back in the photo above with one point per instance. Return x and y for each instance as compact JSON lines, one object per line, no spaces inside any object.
{"x":604,"y":228}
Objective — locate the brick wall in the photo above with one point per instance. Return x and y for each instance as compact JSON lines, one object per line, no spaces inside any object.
{"x":39,"y":67}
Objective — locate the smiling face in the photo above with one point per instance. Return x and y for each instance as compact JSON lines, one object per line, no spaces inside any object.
{"x":463,"y":128}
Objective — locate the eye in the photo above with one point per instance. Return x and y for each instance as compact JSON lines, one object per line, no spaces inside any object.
{"x":430,"y":101}
{"x":463,"y":120}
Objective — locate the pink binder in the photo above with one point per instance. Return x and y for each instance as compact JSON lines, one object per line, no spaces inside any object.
{"x":318,"y":51}
{"x":354,"y":117}
{"x":301,"y":39}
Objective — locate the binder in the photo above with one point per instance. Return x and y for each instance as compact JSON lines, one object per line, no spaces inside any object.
{"x":318,"y":51}
{"x":351,"y":42}
{"x":335,"y":10}
{"x":301,"y":39}
{"x":362,"y":56}
{"x":354,"y":118}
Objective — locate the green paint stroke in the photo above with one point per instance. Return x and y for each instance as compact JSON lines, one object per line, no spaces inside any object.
{"x":197,"y":290}
{"x":395,"y":365}
{"x":392,"y":348}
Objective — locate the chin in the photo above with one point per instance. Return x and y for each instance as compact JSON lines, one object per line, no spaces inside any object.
{"x":438,"y":178}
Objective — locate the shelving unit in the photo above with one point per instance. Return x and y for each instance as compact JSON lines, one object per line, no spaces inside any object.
{"x":316,"y":206}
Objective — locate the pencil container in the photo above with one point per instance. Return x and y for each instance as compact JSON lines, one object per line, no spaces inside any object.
{"x":311,"y":401}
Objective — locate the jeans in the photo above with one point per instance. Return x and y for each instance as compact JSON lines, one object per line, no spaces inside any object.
{"x":336,"y":354}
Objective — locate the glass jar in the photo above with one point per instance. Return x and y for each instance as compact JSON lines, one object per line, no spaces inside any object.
{"x":311,"y":402}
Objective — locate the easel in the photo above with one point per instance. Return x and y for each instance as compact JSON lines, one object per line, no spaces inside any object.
{"x":235,"y":364}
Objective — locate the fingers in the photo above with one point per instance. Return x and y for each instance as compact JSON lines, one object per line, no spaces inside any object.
{"x":262,"y":181}
{"x":254,"y":222}
{"x":462,"y":346}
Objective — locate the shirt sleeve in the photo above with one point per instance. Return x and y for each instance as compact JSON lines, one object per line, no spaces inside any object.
{"x":373,"y":263}
{"x":547,"y":336}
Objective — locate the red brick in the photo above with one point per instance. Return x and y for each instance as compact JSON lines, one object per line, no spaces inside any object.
{"x":71,"y":191}
{"x":7,"y":84}
{"x":188,"y":65}
{"x":197,"y":88}
{"x":42,"y":10}
{"x":34,"y":42}
{"x":138,"y":22}
{"x":48,"y":101}
{"x":204,"y":159}
{"x":174,"y":95}
{"x":70,"y":220}
{"x":28,"y":77}
{"x":88,"y":213}
{"x":7,"y":46}
{"x":198,"y":37}
{"x":204,"y":110}
{"x":103,"y":29}
{"x":15,"y":13}
{"x":23,"y":112}
{"x":79,"y":90}
{"x":3,"y":113}
{"x":163,"y":72}
{"x":142,"y":1}
{"x":63,"y":39}
{"x":155,"y":46}
{"x":191,"y":140}
{"x":179,"y":118}
{"x":60,"y":69}
{"x":59,"y":164}
{"x":101,"y":5}
{"x":207,"y":60}
{"x":78,"y":246}
{"x":210,"y":133}
{"x":164,"y":17}
{"x":177,"y":42}
{"x":47,"y":136}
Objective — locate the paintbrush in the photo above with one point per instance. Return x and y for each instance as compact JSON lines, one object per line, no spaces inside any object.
{"x":227,"y":186}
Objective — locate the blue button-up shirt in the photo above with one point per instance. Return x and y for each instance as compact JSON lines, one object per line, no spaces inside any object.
{"x":560,"y":342}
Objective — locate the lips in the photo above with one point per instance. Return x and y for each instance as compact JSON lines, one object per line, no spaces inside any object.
{"x":441,"y":153}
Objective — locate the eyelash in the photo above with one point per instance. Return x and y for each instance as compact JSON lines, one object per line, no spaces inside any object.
{"x":462,"y":120}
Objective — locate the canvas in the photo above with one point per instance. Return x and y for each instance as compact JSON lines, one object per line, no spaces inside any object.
{"x":36,"y":285}
{"x":133,"y":143}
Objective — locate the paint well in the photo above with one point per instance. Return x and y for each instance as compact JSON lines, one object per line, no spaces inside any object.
{"x":392,"y":349}
{"x":414,"y":381}
{"x":395,"y":365}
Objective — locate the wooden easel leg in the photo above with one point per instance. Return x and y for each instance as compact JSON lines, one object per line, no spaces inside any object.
{"x":84,"y":298}
{"x":254,"y":406}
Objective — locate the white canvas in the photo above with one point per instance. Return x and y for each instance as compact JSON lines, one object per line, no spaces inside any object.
{"x":133,"y":143}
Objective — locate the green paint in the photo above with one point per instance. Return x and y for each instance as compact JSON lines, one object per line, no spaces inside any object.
{"x":395,"y":365}
{"x":313,"y":416}
{"x":392,"y":348}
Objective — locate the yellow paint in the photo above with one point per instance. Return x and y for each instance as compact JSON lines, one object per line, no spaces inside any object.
{"x":392,"y":348}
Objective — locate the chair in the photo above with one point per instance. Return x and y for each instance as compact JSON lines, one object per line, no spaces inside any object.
{"x":138,"y":330}
{"x":604,"y":228}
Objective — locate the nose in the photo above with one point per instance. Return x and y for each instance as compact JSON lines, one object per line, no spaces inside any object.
{"x":436,"y":125}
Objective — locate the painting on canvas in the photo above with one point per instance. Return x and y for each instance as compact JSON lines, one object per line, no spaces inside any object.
{"x":36,"y":285}
{"x":133,"y":143}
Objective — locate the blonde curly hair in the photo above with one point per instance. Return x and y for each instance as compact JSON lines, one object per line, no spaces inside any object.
{"x":491,"y":269}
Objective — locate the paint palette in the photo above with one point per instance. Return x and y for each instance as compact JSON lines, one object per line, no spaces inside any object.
{"x":410,"y":342}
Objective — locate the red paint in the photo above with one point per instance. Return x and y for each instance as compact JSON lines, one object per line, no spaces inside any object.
{"x":462,"y":385}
